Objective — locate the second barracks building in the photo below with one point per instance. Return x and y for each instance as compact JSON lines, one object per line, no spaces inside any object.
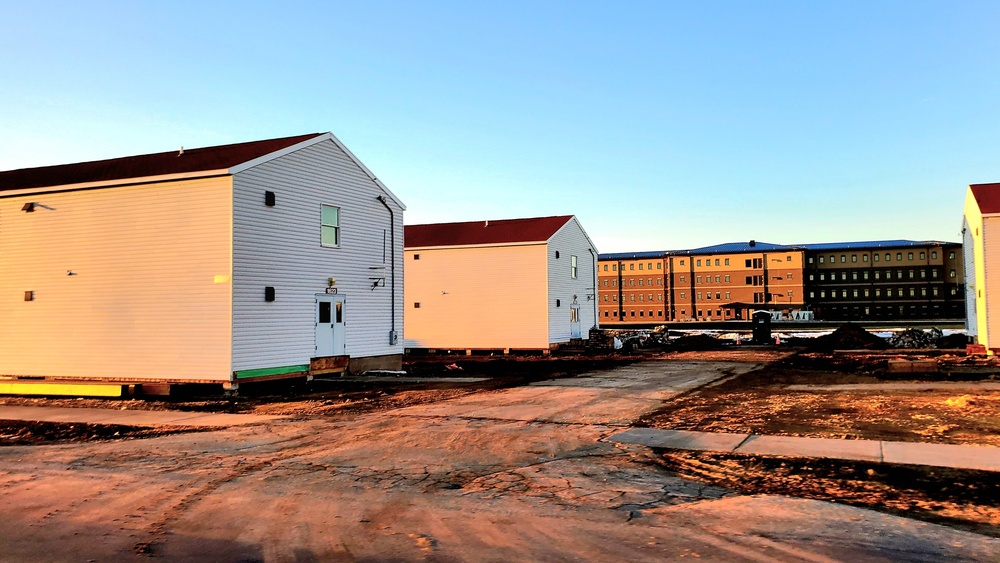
{"x":898,"y":279}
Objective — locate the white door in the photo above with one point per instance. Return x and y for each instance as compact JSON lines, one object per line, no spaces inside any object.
{"x":330,"y":340}
{"x":574,"y":320}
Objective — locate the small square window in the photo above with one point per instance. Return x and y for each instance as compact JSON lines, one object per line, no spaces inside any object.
{"x":417,"y":257}
{"x":416,"y":304}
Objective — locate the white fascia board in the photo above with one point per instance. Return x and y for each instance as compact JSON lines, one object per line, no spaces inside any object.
{"x":277,"y":154}
{"x":309,"y":142}
{"x":491,"y":245}
{"x":362,"y":166}
{"x":585,"y":235}
{"x":117,"y":182}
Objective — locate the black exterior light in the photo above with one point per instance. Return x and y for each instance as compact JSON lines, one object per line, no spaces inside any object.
{"x":269,"y":198}
{"x":268,"y":293}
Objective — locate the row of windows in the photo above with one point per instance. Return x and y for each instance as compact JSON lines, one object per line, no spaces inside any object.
{"x":652,"y":297}
{"x":876,"y":257}
{"x":631,"y":282}
{"x":879,"y":292}
{"x":649,"y":266}
{"x":632,"y":313}
{"x":879,"y":274}
{"x":889,"y":311}
{"x":750,"y":280}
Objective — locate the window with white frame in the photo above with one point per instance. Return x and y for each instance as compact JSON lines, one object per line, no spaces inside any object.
{"x":572,"y":266}
{"x":330,"y":225}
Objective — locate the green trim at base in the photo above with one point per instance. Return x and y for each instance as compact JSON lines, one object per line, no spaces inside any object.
{"x":264,"y":372}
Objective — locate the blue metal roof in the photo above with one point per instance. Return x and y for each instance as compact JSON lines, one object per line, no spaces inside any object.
{"x":737,"y":247}
{"x":633,"y":255}
{"x":733,"y":247}
{"x":871,"y":244}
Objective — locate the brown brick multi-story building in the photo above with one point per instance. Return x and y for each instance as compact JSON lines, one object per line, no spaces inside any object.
{"x":632,"y":287}
{"x":896,"y":279}
{"x":840,"y":281}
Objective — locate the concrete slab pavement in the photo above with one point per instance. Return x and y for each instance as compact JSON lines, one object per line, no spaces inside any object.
{"x":983,"y":458}
{"x":861,"y":450}
{"x":129,"y":417}
{"x":681,"y":439}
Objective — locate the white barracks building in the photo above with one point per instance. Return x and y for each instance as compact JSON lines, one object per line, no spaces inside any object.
{"x":525,"y":284}
{"x":244,"y":262}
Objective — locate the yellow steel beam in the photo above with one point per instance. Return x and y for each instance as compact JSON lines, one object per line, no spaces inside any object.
{"x":60,"y":388}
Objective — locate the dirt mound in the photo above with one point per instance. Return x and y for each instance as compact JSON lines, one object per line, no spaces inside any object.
{"x":848,"y":337}
{"x":952,"y":342}
{"x":696,"y":343}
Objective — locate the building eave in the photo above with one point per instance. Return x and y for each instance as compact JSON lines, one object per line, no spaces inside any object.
{"x":488,"y":245}
{"x":115,"y":183}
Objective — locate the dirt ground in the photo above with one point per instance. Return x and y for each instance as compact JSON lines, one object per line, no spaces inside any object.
{"x":511,"y":473}
{"x":843,"y":401}
{"x":766,"y":401}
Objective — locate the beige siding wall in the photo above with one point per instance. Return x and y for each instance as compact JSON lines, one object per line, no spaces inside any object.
{"x":143,"y":303}
{"x":280,"y":247}
{"x":492,"y":297}
{"x":569,"y":241}
{"x":989,"y":312}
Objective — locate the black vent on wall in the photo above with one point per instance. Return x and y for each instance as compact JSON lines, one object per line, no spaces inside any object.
{"x":269,"y":199}
{"x":268,"y":293}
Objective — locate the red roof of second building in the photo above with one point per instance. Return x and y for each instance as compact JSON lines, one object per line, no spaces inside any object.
{"x":987,"y":196}
{"x":504,"y":231}
{"x":173,"y":162}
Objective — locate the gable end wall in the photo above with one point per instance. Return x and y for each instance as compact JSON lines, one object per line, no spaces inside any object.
{"x":280,"y":247}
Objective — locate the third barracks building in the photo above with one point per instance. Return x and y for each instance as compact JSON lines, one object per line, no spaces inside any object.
{"x":896,"y":279}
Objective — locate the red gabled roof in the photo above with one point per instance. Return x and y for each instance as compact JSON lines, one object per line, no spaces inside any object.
{"x":191,"y":160}
{"x":503,"y":231}
{"x":987,"y":197}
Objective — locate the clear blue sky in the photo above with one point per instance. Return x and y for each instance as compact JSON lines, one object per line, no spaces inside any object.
{"x":659,"y":124}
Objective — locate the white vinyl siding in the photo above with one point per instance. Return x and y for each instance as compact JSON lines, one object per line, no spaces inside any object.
{"x":149,"y":298}
{"x":281,"y":247}
{"x":968,"y":259}
{"x":479,"y":297}
{"x":570,"y":240}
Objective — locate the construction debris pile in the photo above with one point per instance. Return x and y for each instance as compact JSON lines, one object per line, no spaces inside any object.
{"x":916,"y":338}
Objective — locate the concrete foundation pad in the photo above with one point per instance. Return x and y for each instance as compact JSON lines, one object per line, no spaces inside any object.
{"x":864,"y":450}
{"x":680,"y":439}
{"x":942,"y":455}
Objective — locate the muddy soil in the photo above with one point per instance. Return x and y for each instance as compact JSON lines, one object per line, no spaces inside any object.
{"x":761,"y":402}
{"x":962,"y":498}
{"x":29,"y":433}
{"x":511,"y":468}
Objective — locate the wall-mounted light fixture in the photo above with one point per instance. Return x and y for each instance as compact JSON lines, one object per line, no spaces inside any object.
{"x":31,"y":205}
{"x":268,"y":293}
{"x":29,"y":295}
{"x":269,"y":198}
